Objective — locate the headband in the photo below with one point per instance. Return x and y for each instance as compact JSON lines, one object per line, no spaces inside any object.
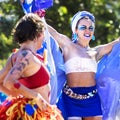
{"x":79,"y":15}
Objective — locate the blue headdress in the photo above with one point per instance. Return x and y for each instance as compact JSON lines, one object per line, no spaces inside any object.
{"x":32,"y":6}
{"x":80,"y":15}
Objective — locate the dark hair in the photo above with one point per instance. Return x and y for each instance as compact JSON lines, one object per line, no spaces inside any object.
{"x":27,"y":28}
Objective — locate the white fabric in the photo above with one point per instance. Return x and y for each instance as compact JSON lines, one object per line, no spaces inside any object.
{"x":56,"y":66}
{"x":74,"y":118}
{"x":53,"y":77}
{"x":78,"y":64}
{"x":75,"y":19}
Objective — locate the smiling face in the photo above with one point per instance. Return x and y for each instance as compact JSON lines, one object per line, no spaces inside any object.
{"x":85,"y":30}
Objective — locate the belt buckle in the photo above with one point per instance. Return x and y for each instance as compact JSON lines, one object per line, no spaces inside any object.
{"x":68,"y":91}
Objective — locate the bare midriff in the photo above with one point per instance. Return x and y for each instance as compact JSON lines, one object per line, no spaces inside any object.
{"x":44,"y":91}
{"x":78,"y":79}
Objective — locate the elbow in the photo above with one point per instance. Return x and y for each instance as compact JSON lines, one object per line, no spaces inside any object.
{"x":8,"y":85}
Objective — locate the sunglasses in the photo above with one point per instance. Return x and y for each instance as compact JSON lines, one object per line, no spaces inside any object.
{"x":83,"y":27}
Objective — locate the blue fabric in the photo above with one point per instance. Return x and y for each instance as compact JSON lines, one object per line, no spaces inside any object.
{"x":59,"y":65}
{"x":71,"y":107}
{"x":56,"y":68}
{"x":55,"y":59}
{"x":31,"y":6}
{"x":108,"y":82}
{"x":2,"y":97}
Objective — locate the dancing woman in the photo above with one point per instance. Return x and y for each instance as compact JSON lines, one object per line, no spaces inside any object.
{"x":80,"y":99}
{"x":25,"y":78}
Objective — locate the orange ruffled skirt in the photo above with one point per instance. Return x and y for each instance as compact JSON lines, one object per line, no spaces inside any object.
{"x":21,"y":108}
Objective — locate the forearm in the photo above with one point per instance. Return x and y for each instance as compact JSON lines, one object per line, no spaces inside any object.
{"x":23,"y":90}
{"x":54,"y":33}
{"x":6,"y":91}
{"x":30,"y":93}
{"x":106,"y":48}
{"x":60,"y":38}
{"x":114,"y":42}
{"x":51,"y":30}
{"x":4,"y":71}
{"x":19,"y":88}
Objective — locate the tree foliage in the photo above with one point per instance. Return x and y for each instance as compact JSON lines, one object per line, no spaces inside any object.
{"x":106,"y":13}
{"x":59,"y":16}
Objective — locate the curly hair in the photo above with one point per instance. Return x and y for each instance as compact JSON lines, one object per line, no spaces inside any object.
{"x":27,"y":28}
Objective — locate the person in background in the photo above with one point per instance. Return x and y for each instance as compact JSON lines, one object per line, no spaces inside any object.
{"x":80,"y":98}
{"x":25,"y":78}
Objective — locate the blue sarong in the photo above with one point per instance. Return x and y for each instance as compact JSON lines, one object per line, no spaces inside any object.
{"x":72,"y":107}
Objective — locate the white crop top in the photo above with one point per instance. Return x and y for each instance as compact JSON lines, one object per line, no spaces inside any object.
{"x":78,"y":64}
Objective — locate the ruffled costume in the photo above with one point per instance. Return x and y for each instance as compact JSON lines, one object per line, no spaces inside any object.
{"x":79,"y":102}
{"x":21,"y":108}
{"x":108,"y":81}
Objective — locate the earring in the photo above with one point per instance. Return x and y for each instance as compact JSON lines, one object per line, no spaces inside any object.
{"x":93,"y":37}
{"x":74,"y":37}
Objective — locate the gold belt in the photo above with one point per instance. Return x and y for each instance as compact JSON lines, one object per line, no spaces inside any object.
{"x":68,"y":91}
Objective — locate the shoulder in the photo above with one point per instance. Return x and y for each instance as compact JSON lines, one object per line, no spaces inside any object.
{"x":22,"y":56}
{"x":25,"y":54}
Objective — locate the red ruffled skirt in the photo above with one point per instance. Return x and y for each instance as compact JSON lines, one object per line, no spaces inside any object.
{"x":21,"y":108}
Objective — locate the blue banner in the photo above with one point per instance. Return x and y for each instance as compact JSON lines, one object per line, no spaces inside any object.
{"x":31,"y":6}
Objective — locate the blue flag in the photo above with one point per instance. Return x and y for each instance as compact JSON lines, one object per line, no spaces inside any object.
{"x":31,"y":6}
{"x":55,"y":63}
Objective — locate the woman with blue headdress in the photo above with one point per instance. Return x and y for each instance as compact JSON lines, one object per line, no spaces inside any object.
{"x":80,"y":98}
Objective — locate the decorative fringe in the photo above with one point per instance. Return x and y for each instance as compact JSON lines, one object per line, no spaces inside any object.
{"x":21,"y":108}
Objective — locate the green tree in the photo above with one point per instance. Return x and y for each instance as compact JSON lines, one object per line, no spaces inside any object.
{"x":106,"y":13}
{"x":59,"y":16}
{"x":9,"y":13}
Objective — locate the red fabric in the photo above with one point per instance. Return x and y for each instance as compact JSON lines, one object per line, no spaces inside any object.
{"x":16,"y":109}
{"x":40,"y":57}
{"x":37,"y":80}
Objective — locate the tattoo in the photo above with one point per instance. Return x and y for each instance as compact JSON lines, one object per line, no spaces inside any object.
{"x":20,"y":66}
{"x":27,"y":61}
{"x":12,"y":71}
{"x":17,"y":85}
{"x":24,"y":53}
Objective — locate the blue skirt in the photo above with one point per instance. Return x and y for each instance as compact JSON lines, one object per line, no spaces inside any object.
{"x":72,"y":107}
